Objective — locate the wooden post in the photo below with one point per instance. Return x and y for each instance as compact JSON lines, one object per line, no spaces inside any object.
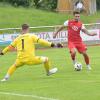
{"x":68,"y":6}
{"x":64,"y":6}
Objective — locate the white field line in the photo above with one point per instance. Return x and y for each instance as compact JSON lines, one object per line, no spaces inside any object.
{"x":25,"y":95}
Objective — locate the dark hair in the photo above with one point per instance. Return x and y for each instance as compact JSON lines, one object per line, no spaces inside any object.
{"x":25,"y":26}
{"x":76,"y":12}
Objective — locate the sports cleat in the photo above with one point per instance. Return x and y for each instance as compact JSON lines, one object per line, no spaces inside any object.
{"x":3,"y":80}
{"x":52,"y":71}
{"x":59,"y":45}
{"x":75,"y":63}
{"x":89,"y":68}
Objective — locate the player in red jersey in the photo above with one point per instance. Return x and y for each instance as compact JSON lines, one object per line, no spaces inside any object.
{"x":74,"y":27}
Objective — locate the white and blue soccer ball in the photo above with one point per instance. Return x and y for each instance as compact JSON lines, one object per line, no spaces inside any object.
{"x":78,"y":66}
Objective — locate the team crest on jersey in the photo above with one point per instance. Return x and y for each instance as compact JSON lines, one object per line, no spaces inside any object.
{"x":75,"y":28}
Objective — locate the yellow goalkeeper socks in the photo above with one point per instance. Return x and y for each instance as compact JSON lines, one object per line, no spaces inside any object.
{"x":47,"y":65}
{"x":10,"y":71}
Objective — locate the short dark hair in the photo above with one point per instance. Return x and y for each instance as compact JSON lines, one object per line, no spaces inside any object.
{"x":76,"y":12}
{"x":25,"y":26}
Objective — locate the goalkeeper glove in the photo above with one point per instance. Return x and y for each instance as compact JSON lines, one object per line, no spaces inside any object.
{"x":1,"y":53}
{"x":53,"y":45}
{"x":59,"y":45}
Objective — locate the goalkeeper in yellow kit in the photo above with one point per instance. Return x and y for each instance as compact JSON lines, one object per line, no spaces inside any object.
{"x":25,"y":45}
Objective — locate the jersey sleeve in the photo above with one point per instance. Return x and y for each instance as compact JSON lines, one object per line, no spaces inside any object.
{"x":14,"y":43}
{"x":8,"y":48}
{"x":35,"y":38}
{"x":44,"y":42}
{"x":66,"y":23}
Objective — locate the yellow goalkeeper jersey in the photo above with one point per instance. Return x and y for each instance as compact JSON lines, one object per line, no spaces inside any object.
{"x":25,"y":45}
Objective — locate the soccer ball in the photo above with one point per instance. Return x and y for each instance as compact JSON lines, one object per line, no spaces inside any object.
{"x":78,"y":66}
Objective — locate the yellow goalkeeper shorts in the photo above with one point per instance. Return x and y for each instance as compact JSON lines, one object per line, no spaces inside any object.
{"x":30,"y":61}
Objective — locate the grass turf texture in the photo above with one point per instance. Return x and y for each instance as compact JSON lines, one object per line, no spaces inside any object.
{"x":66,"y":84}
{"x":14,"y":17}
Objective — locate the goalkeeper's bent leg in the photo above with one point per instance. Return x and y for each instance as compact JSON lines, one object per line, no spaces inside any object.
{"x":47,"y":65}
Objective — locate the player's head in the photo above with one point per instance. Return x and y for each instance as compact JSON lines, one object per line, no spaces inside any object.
{"x":76,"y":15}
{"x":25,"y":28}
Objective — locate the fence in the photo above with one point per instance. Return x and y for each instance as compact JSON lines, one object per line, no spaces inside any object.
{"x":46,"y":32}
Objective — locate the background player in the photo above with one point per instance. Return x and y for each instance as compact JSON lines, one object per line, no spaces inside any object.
{"x":74,"y":27}
{"x":25,"y":45}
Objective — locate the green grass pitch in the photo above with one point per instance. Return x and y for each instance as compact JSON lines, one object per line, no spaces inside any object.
{"x":31,"y":82}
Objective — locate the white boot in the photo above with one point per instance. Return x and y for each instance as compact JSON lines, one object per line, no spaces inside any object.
{"x":52,"y":71}
{"x":3,"y":80}
{"x":74,"y":62}
{"x":89,"y":67}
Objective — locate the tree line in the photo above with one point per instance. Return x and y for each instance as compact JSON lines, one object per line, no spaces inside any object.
{"x":42,"y":4}
{"x":98,"y":4}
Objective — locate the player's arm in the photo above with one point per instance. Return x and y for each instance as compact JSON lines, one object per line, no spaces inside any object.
{"x":36,"y":39}
{"x":44,"y":42}
{"x":50,"y":44}
{"x":87,"y":32}
{"x":8,"y":48}
{"x":61,"y":28}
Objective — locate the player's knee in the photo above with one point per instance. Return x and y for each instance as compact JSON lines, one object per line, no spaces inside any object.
{"x":16,"y":65}
{"x":45,"y":59}
{"x":84,"y":54}
{"x":73,"y":52}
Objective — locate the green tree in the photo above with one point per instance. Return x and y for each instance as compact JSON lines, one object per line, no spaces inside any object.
{"x":24,"y":3}
{"x":37,"y":3}
{"x":48,"y":4}
{"x":98,"y":4}
{"x":42,"y":4}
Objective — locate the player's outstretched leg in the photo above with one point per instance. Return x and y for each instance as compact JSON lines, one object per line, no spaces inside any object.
{"x":47,"y":66}
{"x":11,"y":70}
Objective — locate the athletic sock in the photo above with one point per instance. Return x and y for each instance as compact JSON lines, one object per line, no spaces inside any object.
{"x":47,"y":65}
{"x":10,"y":71}
{"x":86,"y":58}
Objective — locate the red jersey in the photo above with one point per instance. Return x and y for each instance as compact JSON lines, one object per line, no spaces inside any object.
{"x":74,"y":29}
